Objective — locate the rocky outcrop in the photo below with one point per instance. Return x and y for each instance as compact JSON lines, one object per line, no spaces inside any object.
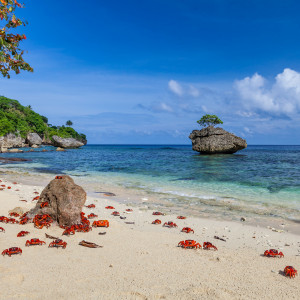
{"x":211,"y":140}
{"x":66,"y":142}
{"x":33,"y":139}
{"x":65,"y":201}
{"x":11,"y":141}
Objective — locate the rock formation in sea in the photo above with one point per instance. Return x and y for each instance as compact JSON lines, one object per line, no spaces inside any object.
{"x":33,"y":139}
{"x":65,"y":201}
{"x":66,"y":142}
{"x":211,"y":140}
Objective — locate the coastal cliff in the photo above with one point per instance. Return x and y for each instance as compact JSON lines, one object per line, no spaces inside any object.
{"x":211,"y":140}
{"x":20,"y":127}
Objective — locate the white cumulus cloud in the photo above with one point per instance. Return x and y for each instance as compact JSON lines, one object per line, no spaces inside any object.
{"x":281,"y":97}
{"x":175,"y":87}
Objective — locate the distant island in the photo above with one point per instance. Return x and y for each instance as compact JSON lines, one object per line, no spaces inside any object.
{"x":20,"y":126}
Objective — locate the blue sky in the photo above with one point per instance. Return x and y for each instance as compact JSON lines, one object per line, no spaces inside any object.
{"x":146,"y":71}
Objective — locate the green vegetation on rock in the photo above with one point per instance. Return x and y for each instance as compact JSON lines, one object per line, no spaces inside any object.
{"x":21,"y":120}
{"x":209,"y":120}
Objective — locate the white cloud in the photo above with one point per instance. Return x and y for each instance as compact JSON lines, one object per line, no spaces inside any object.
{"x":175,"y":87}
{"x":193,"y":91}
{"x":281,"y":97}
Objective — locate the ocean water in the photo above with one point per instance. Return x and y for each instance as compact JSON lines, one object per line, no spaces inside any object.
{"x":257,"y":181}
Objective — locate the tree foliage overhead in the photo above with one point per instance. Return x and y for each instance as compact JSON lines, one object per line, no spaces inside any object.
{"x":18,"y":119}
{"x":209,"y":120}
{"x":11,"y":56}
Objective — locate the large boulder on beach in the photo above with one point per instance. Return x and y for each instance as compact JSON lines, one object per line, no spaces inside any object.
{"x":65,"y":201}
{"x":211,"y":140}
{"x":11,"y":141}
{"x":66,"y":142}
{"x":33,"y":139}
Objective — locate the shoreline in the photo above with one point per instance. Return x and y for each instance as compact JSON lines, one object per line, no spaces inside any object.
{"x":142,"y":261}
{"x":144,"y":200}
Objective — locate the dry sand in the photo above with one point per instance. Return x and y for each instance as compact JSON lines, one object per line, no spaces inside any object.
{"x":142,"y":261}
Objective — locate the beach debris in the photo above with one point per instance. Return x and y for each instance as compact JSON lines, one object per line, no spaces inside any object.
{"x":116,"y":213}
{"x":208,"y":246}
{"x":130,"y":223}
{"x":287,"y":245}
{"x":243,"y":219}
{"x":108,"y":194}
{"x":12,"y":251}
{"x":89,"y":244}
{"x":110,"y":266}
{"x":218,"y":238}
{"x":109,"y":207}
{"x":16,"y":212}
{"x":170,"y":224}
{"x":22,"y":233}
{"x":290,"y":271}
{"x":123,"y":218}
{"x":34,"y":242}
{"x":48,"y":236}
{"x":24,"y":200}
{"x":58,"y":243}
{"x":155,"y":222}
{"x":157,"y":213}
{"x":66,"y":200}
{"x":189,"y":244}
{"x":101,"y":223}
{"x":91,"y":206}
{"x":273,"y":253}
{"x":102,"y":233}
{"x":91,"y":216}
{"x":187,"y":230}
{"x":2,"y":229}
{"x":181,"y":217}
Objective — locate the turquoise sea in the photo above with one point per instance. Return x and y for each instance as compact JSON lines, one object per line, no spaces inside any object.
{"x":258,"y":181}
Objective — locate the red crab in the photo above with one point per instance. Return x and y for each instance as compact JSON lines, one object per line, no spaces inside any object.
{"x":187,"y":230}
{"x":3,"y":219}
{"x":129,"y":210}
{"x":44,"y":204}
{"x":157,"y":213}
{"x":24,"y":220}
{"x":273,"y":253}
{"x":69,"y":231}
{"x":3,"y":185}
{"x":116,"y":214}
{"x":290,"y":271}
{"x":36,"y":198}
{"x":208,"y":246}
{"x":14,"y":214}
{"x":22,"y":233}
{"x":190,"y":244}
{"x":157,"y":221}
{"x":9,"y":187}
{"x":58,"y":177}
{"x":15,"y":183}
{"x":42,"y":220}
{"x":2,"y":229}
{"x":36,"y":193}
{"x":12,"y":221}
{"x":11,"y":251}
{"x":91,"y":206}
{"x":34,"y":242}
{"x":58,"y":243}
{"x":101,"y":223}
{"x":181,"y":217}
{"x":109,"y":207}
{"x":170,"y":224}
{"x":91,"y":216}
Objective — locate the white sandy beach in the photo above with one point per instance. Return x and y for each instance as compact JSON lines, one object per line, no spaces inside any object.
{"x":142,"y":261}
